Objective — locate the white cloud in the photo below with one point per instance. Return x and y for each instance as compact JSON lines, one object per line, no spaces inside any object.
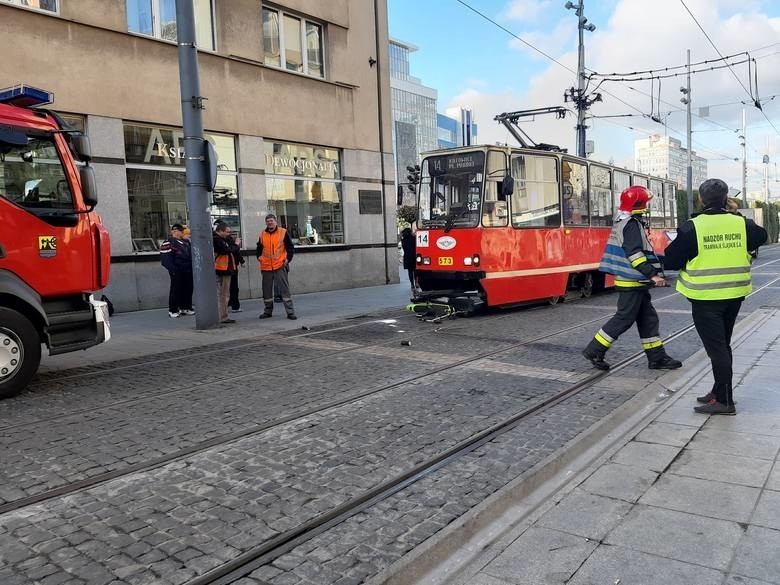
{"x":551,"y":43}
{"x":647,"y":35}
{"x":526,"y":10}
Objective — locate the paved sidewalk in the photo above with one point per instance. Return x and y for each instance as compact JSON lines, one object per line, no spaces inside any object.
{"x":139,"y":333}
{"x":687,"y":500}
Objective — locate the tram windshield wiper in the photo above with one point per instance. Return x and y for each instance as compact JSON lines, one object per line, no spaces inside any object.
{"x":455,"y":214}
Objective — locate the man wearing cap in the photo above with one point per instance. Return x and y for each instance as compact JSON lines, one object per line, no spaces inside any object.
{"x":176,"y":258}
{"x":711,"y":251}
{"x":274,"y":253}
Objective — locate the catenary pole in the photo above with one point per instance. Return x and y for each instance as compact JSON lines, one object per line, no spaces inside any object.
{"x":581,"y":83}
{"x":205,"y":289}
{"x":689,"y":169}
{"x":744,"y":160}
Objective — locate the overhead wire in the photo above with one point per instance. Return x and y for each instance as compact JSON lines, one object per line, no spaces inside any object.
{"x":756,"y":101}
{"x":554,"y":60}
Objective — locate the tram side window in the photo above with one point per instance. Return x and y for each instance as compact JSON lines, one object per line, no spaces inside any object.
{"x":622,"y":181}
{"x":535,"y":198}
{"x":656,"y":205}
{"x":670,"y":204}
{"x":574,"y":178}
{"x":600,"y":196}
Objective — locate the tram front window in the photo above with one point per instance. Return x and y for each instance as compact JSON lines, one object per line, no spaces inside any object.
{"x":451,"y":190}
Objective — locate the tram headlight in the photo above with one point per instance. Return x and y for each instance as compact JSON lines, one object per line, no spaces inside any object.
{"x":475,"y":259}
{"x":419,"y":259}
{"x":467,"y":261}
{"x":426,"y":260}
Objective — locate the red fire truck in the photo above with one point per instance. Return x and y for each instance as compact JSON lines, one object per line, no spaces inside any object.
{"x":54,"y":250}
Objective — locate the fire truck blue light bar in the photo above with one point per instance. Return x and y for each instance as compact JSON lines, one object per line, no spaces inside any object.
{"x":25,"y":96}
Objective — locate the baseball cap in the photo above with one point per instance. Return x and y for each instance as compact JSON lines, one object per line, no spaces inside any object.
{"x":177,"y":226}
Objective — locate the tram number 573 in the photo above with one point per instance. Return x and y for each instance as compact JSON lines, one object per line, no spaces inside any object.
{"x":445,"y":261}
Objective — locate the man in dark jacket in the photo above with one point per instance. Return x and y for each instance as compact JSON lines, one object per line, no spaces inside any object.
{"x":712,"y":252}
{"x":225,"y":248}
{"x":176,"y":258}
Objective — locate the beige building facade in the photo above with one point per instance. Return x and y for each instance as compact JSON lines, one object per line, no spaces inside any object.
{"x":298,"y":109}
{"x":665,"y":157}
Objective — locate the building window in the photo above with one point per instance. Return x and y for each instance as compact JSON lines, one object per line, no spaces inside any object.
{"x":156,"y":183}
{"x":157,"y":18}
{"x":303,"y":185}
{"x":46,"y":5}
{"x":293,"y":43}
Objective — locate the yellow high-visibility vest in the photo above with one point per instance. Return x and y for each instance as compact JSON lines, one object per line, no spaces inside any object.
{"x":721,"y":270}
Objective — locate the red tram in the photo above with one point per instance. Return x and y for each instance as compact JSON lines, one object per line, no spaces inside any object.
{"x":500,"y":226}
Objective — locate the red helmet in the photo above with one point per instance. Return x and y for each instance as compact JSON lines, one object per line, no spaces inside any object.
{"x":635,"y":198}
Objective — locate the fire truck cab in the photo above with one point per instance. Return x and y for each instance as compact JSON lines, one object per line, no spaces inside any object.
{"x":54,"y":250}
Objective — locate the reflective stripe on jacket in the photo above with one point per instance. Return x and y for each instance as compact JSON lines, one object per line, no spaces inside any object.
{"x":721,"y":270}
{"x":274,"y":253}
{"x":615,"y":261}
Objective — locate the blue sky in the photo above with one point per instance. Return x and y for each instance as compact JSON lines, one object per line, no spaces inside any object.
{"x":473,"y":63}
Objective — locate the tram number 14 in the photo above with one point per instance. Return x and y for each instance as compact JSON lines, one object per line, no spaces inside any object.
{"x":445,"y":261}
{"x":423,"y":240}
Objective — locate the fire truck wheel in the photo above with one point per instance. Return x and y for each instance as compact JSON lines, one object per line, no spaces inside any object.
{"x":20,"y":352}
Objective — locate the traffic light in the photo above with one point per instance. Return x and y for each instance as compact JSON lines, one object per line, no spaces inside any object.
{"x":413,"y":177}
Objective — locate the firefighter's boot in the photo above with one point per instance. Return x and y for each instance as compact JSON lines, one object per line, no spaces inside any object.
{"x":657,"y":359}
{"x":594,"y":352}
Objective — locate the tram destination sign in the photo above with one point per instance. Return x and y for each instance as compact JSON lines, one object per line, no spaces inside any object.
{"x":469,"y":162}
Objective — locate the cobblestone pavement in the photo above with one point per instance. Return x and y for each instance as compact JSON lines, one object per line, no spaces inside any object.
{"x":169,"y":524}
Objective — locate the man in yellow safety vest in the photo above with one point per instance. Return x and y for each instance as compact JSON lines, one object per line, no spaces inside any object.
{"x":711,"y":251}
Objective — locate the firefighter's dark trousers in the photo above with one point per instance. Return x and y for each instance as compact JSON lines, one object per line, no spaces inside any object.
{"x":714,"y":321}
{"x":633,"y":306}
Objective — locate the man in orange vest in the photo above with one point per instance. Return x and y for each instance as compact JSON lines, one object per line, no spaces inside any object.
{"x":274,"y":252}
{"x":225,"y":266}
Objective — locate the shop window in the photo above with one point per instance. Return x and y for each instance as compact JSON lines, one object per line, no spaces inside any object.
{"x":156,"y":183}
{"x":304,"y":189}
{"x":574,"y":181}
{"x":292,"y":43}
{"x":157,"y":18}
{"x":45,"y":5}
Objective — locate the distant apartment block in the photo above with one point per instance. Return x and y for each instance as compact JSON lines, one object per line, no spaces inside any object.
{"x":665,"y":157}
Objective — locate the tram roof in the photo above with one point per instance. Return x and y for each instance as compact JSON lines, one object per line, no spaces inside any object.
{"x":482,"y":147}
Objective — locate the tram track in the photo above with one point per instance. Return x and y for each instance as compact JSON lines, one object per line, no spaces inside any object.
{"x":268,"y":549}
{"x":258,"y":429}
{"x":225,"y":438}
{"x":274,"y":548}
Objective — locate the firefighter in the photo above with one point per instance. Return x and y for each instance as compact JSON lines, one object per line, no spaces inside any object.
{"x":712,"y":252}
{"x":630,"y":258}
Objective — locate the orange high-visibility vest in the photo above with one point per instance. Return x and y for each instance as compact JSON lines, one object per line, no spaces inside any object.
{"x":274,"y":254}
{"x":222,"y":262}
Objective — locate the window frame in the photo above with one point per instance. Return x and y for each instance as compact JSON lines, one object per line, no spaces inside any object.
{"x":557,"y":168}
{"x":586,"y":193}
{"x":18,"y":4}
{"x":157,"y":26}
{"x":304,"y":22}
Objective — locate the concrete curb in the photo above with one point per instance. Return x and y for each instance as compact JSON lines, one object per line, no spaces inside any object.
{"x":461,"y":549}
